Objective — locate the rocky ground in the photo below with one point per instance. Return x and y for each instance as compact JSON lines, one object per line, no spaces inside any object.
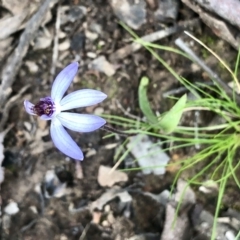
{"x":46,"y":195}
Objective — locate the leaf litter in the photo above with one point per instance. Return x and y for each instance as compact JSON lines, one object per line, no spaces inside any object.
{"x":51,"y":196}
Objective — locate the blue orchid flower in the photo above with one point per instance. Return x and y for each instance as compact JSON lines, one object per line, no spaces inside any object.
{"x":51,"y":108}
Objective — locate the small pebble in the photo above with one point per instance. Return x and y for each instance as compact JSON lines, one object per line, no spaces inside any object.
{"x":95,"y":27}
{"x":76,"y":13}
{"x":91,"y":35}
{"x":101,"y":43}
{"x":91,"y":55}
{"x":32,"y":66}
{"x":133,"y":13}
{"x":105,"y":223}
{"x":64,"y":45}
{"x":91,"y":152}
{"x":42,"y":43}
{"x":101,"y":64}
{"x":78,"y":42}
{"x":33,"y":209}
{"x":107,"y":208}
{"x":98,"y":111}
{"x":229,"y":235}
{"x":63,"y":237}
{"x":62,"y":35}
{"x":11,"y":208}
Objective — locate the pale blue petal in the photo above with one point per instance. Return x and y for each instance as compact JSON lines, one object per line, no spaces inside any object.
{"x":63,"y":80}
{"x":82,"y":98}
{"x":80,"y":122}
{"x":63,"y":141}
{"x":29,"y":107}
{"x":45,"y":117}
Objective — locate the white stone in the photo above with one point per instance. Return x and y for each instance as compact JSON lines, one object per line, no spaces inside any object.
{"x":11,"y":208}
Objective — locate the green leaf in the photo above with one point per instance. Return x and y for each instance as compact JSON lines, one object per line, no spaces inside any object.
{"x":143,"y":101}
{"x":171,"y":118}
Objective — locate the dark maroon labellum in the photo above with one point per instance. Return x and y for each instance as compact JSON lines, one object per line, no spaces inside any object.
{"x":44,"y":107}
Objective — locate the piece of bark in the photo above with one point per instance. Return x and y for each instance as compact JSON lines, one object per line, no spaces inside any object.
{"x":221,"y":29}
{"x":227,"y":9}
{"x":218,"y":26}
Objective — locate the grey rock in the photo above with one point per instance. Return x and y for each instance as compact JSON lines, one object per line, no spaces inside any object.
{"x":167,"y":10}
{"x":131,"y":12}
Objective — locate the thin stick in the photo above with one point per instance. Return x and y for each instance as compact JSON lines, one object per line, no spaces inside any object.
{"x":126,"y":112}
{"x":114,"y":130}
{"x":84,"y":233}
{"x":115,"y":166}
{"x":133,"y":47}
{"x":152,"y":37}
{"x":55,"y":47}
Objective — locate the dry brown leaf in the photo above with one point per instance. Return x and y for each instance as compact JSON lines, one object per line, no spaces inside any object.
{"x":107,"y":178}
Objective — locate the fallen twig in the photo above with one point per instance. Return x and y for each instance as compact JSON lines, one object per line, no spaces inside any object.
{"x":127,"y":112}
{"x":152,"y":37}
{"x":55,"y":47}
{"x":133,"y":47}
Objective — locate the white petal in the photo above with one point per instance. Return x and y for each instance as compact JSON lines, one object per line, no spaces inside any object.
{"x":80,"y":122}
{"x":82,"y":98}
{"x":63,"y":80}
{"x":63,"y":141}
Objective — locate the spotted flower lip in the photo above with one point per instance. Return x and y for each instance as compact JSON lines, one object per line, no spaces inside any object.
{"x":52,"y":107}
